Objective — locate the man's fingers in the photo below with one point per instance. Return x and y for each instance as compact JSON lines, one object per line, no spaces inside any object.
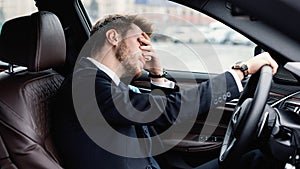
{"x":274,"y":65}
{"x":147,"y":48}
{"x":271,"y":62}
{"x":148,"y":54}
{"x":145,"y":36}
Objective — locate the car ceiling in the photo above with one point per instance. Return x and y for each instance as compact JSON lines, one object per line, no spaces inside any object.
{"x":284,"y":15}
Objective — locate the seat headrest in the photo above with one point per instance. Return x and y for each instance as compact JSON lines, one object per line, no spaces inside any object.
{"x":35,"y":41}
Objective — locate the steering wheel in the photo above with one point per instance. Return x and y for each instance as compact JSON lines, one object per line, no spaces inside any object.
{"x":243,"y":125}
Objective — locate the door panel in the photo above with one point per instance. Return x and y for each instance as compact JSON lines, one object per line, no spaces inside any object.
{"x":194,"y":149}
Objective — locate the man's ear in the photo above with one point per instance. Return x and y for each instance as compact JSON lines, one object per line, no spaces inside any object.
{"x":112,"y":37}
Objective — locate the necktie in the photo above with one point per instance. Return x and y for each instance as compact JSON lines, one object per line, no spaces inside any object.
{"x":152,"y":161}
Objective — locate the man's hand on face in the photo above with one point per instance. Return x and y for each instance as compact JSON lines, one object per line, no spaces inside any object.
{"x":152,"y":61}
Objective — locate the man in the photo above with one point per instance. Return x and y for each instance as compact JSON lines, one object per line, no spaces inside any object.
{"x":120,"y":48}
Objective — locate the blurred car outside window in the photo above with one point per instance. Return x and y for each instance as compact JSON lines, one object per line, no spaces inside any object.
{"x":185,"y":39}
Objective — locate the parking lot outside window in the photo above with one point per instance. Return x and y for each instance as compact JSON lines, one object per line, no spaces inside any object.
{"x":185,"y":39}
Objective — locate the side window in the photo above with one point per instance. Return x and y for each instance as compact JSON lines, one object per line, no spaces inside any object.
{"x":11,"y":9}
{"x":184,"y":39}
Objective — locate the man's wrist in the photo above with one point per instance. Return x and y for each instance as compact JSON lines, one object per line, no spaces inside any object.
{"x":158,"y":74}
{"x":165,"y":83}
{"x":241,"y":67}
{"x":239,"y":73}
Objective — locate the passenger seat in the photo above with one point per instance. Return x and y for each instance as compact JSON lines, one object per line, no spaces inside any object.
{"x":37,"y":44}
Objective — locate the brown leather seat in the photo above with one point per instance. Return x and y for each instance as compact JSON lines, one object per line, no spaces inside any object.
{"x":36,"y":42}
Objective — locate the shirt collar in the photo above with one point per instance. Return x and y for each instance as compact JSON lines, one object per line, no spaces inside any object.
{"x":106,"y":70}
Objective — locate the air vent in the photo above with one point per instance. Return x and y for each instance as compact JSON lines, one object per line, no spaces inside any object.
{"x":293,"y":106}
{"x":273,"y":99}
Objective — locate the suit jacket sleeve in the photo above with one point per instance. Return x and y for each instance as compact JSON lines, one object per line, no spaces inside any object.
{"x":120,"y":106}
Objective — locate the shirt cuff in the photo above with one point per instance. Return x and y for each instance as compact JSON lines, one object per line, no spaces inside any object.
{"x":165,"y":84}
{"x":237,"y":80}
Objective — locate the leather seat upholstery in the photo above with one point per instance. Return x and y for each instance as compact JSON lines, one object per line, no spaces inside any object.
{"x":36,"y":42}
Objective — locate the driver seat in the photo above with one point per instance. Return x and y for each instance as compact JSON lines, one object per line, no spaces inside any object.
{"x":37,"y":43}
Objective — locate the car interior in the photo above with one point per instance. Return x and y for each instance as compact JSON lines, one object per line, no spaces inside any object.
{"x":39,"y":49}
{"x":36,"y":42}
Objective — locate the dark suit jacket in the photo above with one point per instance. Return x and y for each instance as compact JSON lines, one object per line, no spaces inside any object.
{"x":92,"y":93}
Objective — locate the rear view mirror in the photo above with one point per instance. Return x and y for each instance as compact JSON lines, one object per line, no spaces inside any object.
{"x":238,"y":12}
{"x":258,"y":50}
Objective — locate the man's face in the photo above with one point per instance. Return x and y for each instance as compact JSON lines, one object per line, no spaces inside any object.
{"x":130,"y":54}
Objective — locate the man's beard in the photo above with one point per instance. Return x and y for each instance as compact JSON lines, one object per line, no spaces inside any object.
{"x":130,"y":68}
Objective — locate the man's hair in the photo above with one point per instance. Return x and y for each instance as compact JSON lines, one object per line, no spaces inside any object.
{"x":121,"y":23}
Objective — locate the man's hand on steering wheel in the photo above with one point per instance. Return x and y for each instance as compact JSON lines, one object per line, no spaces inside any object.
{"x":254,"y":64}
{"x":260,"y":60}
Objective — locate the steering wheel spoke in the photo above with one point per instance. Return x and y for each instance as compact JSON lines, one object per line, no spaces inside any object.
{"x":226,"y":148}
